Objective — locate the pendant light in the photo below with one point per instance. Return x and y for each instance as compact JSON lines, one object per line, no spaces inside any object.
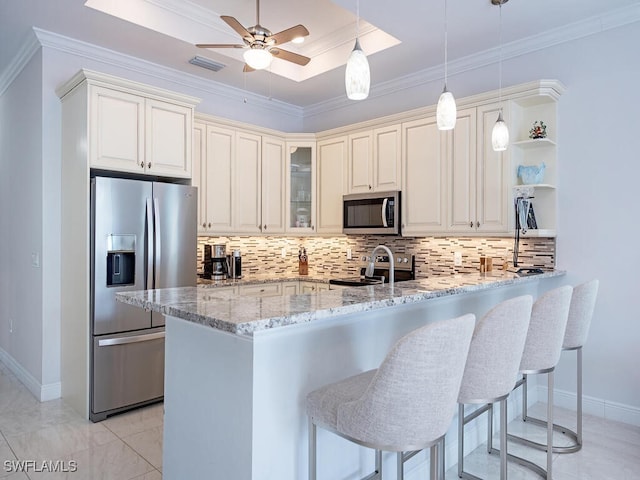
{"x":446,"y":112}
{"x":500,"y":133}
{"x":357,"y":76}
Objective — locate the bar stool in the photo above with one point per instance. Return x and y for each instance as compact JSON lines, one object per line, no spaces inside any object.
{"x":406,"y":404}
{"x":541,"y":354}
{"x":583,"y":302}
{"x":492,"y":369}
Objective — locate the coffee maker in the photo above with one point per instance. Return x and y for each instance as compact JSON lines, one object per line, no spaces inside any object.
{"x":215,"y":262}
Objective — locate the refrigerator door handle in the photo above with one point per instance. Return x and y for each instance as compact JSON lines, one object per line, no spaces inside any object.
{"x":158,"y":247}
{"x":108,"y":342}
{"x":150,"y":238}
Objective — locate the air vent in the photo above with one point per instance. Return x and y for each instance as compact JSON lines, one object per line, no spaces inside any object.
{"x":206,"y":63}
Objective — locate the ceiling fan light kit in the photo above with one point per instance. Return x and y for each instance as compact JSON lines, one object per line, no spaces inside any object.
{"x":258,"y":58}
{"x":262,"y":45}
{"x":446,"y":111}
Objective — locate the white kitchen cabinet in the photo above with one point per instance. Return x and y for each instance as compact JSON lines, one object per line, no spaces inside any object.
{"x":331,"y":179}
{"x":247,"y":185}
{"x":311,"y":287}
{"x":478,"y":178}
{"x":374,"y":162}
{"x":214,"y":153}
{"x":261,"y":290}
{"x":133,"y":133}
{"x":273,"y":192}
{"x":290,"y":288}
{"x":424,"y":169}
{"x":301,"y":187}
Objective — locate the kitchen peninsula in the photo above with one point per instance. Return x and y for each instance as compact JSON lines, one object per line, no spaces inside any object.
{"x":238,"y":368}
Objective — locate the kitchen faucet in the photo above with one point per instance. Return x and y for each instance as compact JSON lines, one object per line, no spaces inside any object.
{"x":371,"y":267}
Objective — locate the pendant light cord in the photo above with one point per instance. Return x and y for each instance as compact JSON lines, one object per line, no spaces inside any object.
{"x":357,"y":19}
{"x":500,"y":58}
{"x":445,"y":44}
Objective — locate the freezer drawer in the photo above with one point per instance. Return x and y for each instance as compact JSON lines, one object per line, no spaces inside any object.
{"x":128,"y":369}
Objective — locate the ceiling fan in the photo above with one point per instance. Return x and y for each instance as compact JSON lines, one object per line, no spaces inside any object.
{"x":262,"y":45}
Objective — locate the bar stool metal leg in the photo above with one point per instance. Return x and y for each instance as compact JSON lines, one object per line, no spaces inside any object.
{"x":312,"y":450}
{"x":576,"y":436}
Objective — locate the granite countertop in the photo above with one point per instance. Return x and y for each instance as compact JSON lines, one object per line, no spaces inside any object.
{"x":259,"y":278}
{"x":226,"y":310}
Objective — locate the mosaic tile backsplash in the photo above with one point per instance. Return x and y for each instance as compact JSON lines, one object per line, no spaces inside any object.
{"x":328,"y":255}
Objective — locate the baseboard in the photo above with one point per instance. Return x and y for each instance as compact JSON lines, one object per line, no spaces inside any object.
{"x":597,"y":407}
{"x":42,"y":392}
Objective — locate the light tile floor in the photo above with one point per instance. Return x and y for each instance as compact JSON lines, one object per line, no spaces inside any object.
{"x":129,"y":446}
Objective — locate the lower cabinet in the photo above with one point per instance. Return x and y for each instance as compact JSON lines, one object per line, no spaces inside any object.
{"x":261,"y":290}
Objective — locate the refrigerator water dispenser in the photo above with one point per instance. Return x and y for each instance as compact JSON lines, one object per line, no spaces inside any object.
{"x":121,"y":260}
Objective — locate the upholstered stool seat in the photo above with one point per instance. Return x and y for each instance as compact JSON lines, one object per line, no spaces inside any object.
{"x":405,"y":404}
{"x":583,"y":303}
{"x":492,"y":369}
{"x":542,"y":349}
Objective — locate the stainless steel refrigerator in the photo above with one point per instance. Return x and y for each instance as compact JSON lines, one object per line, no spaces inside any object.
{"x":143,"y":236}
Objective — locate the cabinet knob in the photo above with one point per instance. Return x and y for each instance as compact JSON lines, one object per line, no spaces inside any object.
{"x":369,"y":187}
{"x":311,"y":227}
{"x":265,"y":227}
{"x":209,"y":224}
{"x":149,"y":165}
{"x":477,"y":224}
{"x":260,"y":227}
{"x":204,"y":225}
{"x":141,"y":164}
{"x":471,"y":224}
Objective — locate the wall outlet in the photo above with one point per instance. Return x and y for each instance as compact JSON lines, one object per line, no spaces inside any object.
{"x":35,"y":260}
{"x":349,"y":254}
{"x":457,"y":259}
{"x":283,"y":252}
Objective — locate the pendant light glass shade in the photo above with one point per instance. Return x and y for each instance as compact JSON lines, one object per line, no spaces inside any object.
{"x":500,"y":135}
{"x":258,"y":58}
{"x":357,"y":77}
{"x":446,"y":112}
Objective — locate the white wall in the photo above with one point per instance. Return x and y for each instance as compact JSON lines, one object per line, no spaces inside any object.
{"x":598,"y":170}
{"x":21,"y":219}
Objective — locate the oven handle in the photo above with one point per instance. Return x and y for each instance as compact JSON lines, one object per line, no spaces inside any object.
{"x":384,"y":212}
{"x":107,"y":342}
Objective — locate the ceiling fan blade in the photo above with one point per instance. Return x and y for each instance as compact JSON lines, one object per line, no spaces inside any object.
{"x":290,"y":56}
{"x":289,"y":34}
{"x":247,"y":69}
{"x":237,"y":26}
{"x":219,"y":45}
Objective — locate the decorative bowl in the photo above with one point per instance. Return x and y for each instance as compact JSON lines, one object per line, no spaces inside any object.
{"x":531,"y":174}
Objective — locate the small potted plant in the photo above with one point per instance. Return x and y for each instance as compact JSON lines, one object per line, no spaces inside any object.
{"x":539,"y":130}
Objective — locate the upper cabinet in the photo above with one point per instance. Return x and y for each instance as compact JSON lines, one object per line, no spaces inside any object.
{"x":332,"y":179}
{"x":374,"y":162}
{"x":136,"y":131}
{"x":301,"y":187}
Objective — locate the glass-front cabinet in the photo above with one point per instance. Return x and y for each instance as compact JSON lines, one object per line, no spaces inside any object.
{"x":301,"y":185}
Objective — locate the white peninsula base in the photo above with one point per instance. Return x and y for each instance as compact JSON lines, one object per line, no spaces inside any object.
{"x":235,"y":405}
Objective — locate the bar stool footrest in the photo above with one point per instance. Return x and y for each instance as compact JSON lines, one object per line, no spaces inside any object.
{"x":574,"y":447}
{"x":534,"y":467}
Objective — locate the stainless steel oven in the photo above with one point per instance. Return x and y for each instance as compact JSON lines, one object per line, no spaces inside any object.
{"x":372,"y":213}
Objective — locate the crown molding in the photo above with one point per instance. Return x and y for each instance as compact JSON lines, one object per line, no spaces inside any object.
{"x":19,"y":61}
{"x":591,"y":26}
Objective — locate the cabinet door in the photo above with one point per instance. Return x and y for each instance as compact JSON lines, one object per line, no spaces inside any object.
{"x":493,"y":196}
{"x":387,"y":158}
{"x":360,"y":164}
{"x":462,"y":173}
{"x":116,"y":130}
{"x":218,"y":179}
{"x":273,"y":185}
{"x":301,"y":187}
{"x":331,"y":178}
{"x":168,"y":139}
{"x":247,"y":194}
{"x":199,"y":172}
{"x":424,"y":170}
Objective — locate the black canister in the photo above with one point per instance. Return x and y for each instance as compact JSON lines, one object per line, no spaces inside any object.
{"x":207,"y":262}
{"x":237,"y":264}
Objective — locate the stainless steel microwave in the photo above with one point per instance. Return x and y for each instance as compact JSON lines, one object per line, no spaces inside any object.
{"x":372,"y":213}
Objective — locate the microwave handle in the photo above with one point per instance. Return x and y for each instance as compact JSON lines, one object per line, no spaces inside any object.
{"x":384,"y":212}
